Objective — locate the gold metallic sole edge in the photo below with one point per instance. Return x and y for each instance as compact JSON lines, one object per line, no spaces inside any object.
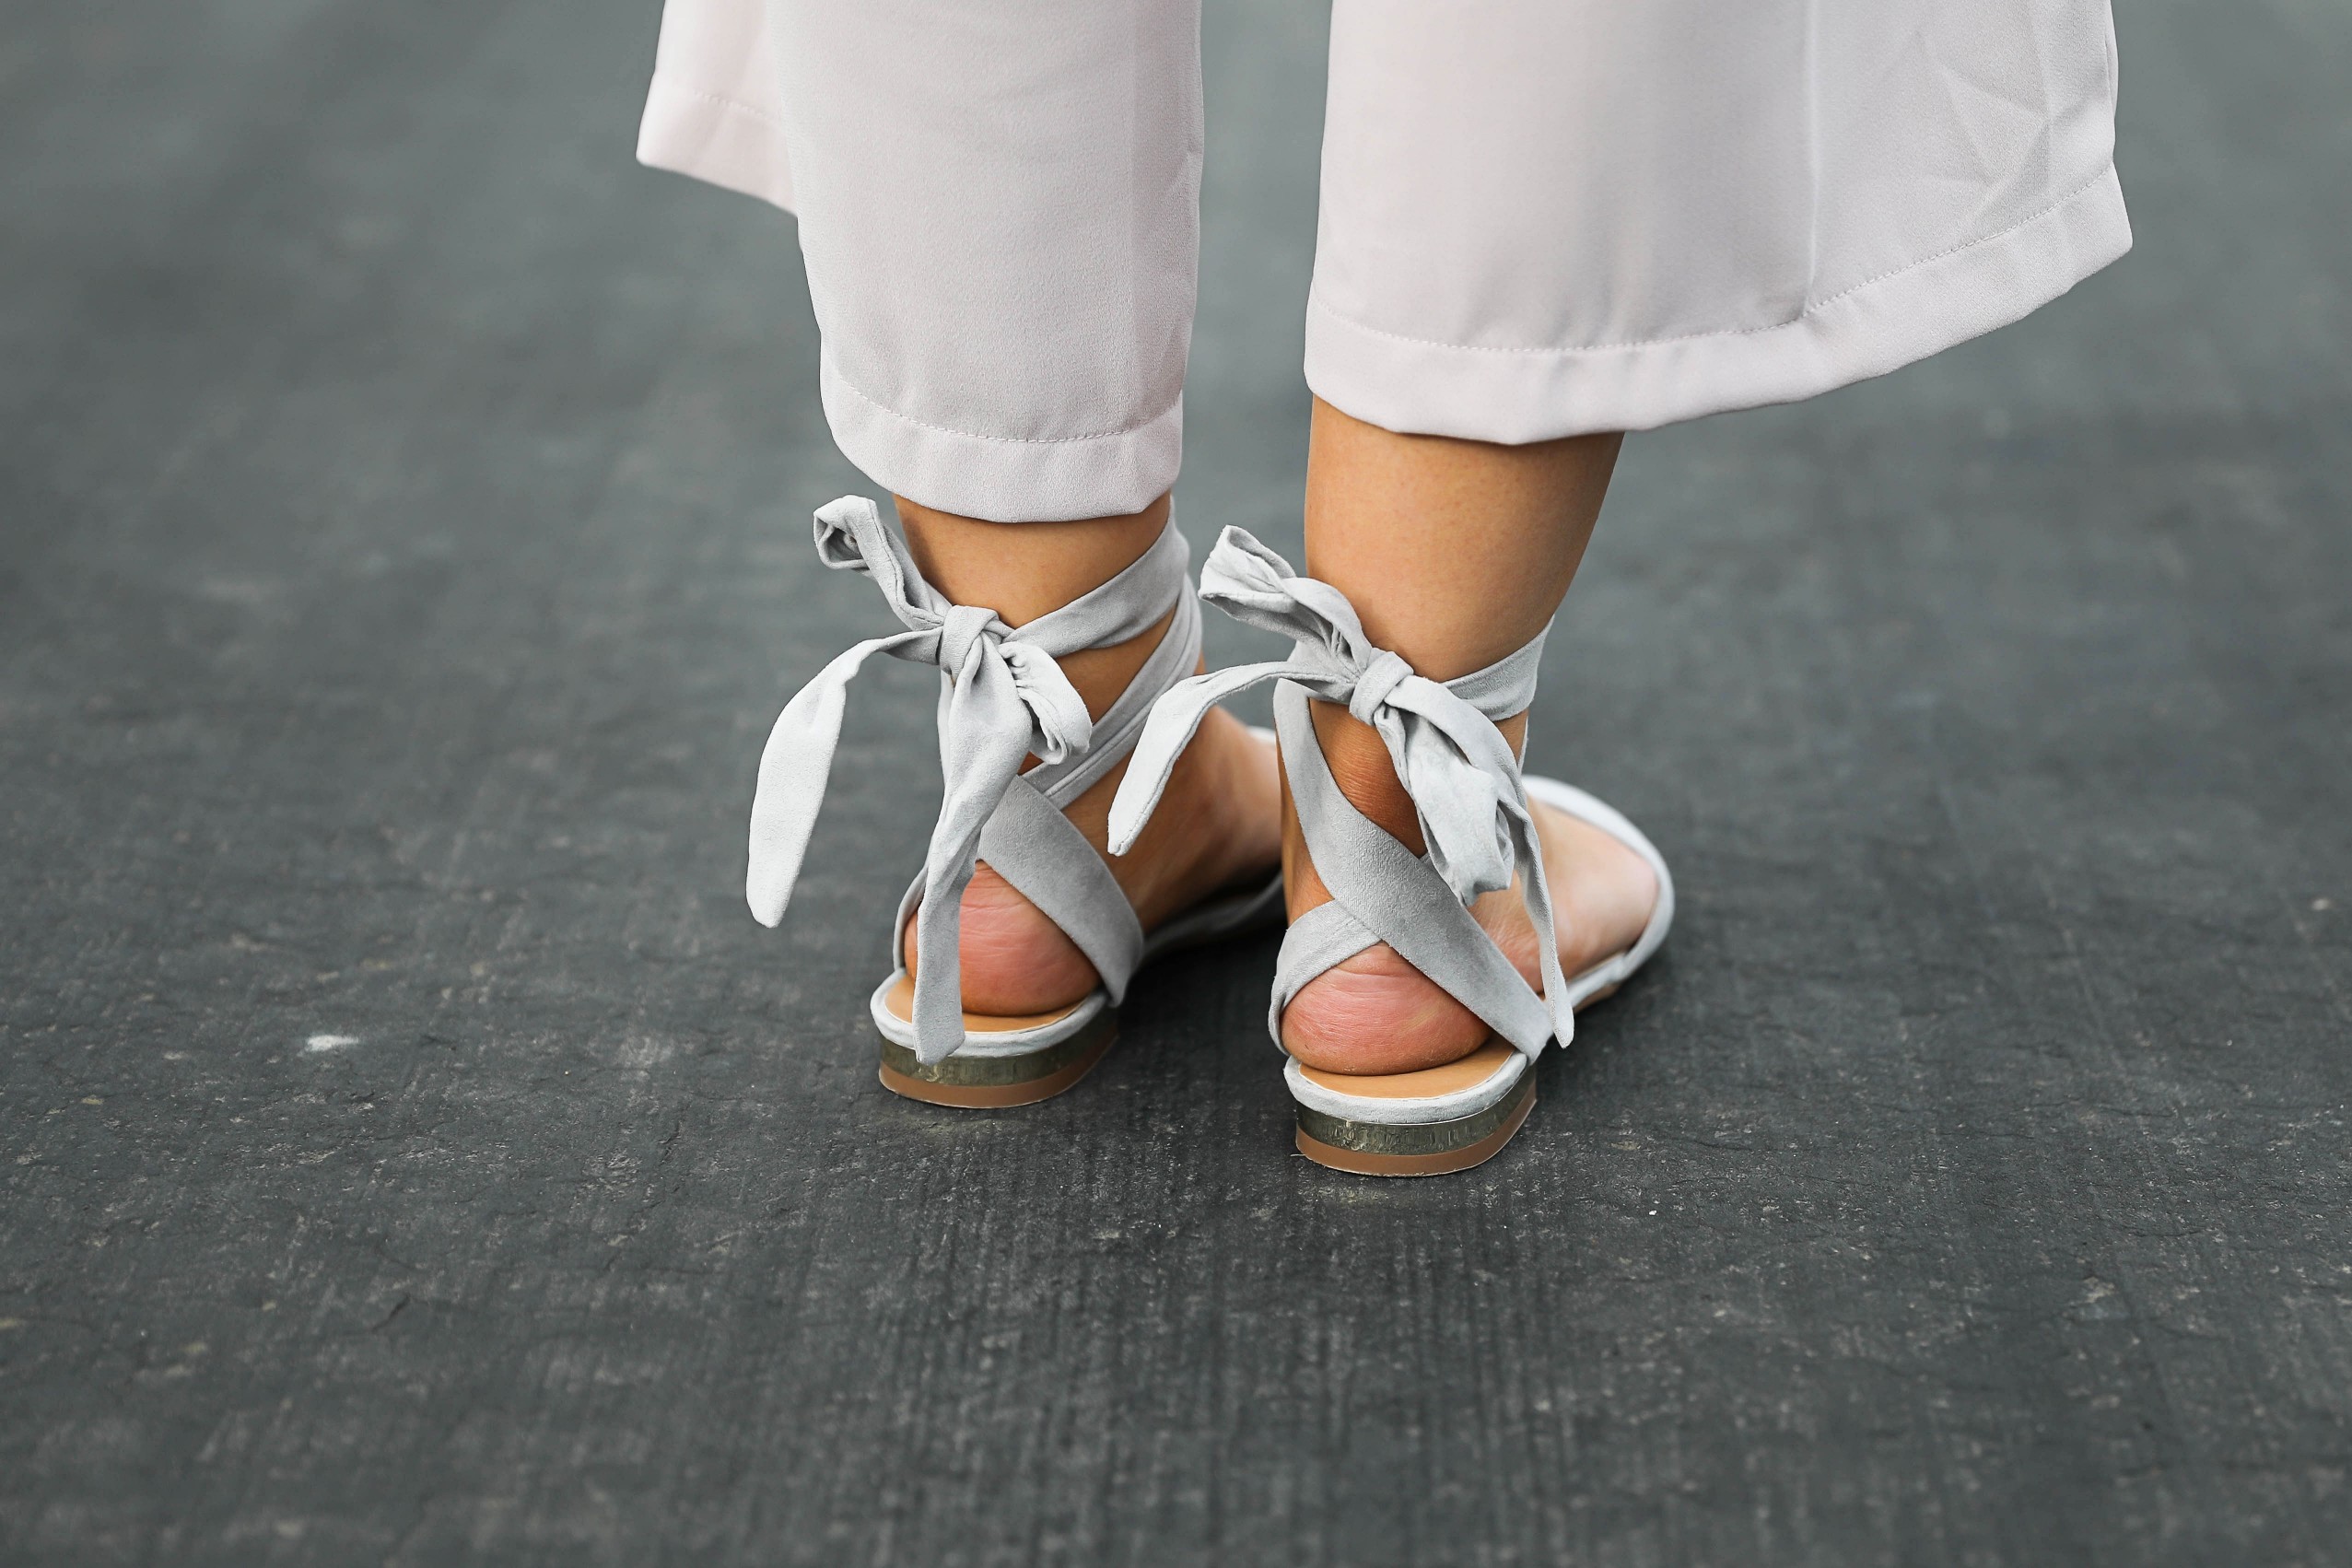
{"x":1424,"y":1149}
{"x":1378,"y":1149}
{"x":990,"y":1084}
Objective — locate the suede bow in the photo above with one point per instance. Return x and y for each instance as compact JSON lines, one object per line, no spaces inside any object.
{"x":1457,"y":767}
{"x":1455,"y":764}
{"x":1005,"y":697}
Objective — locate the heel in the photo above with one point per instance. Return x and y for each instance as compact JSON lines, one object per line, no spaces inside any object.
{"x":998,"y":1082}
{"x":1421,"y":1149}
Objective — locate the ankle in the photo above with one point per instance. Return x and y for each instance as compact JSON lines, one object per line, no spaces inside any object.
{"x":1366,"y":775}
{"x":1024,"y":570}
{"x":1219,"y":820}
{"x":1028,"y":569}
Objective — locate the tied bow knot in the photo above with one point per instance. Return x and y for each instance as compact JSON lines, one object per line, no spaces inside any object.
{"x":962,"y":633}
{"x":1059,"y":726}
{"x":1004,"y":698}
{"x":1380,"y":678}
{"x":1461,"y":773}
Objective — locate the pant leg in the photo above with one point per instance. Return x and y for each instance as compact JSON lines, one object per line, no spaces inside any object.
{"x":1545,"y":217}
{"x":998,"y":207}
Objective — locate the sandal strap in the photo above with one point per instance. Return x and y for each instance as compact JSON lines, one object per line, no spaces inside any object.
{"x":1032,"y":845}
{"x":1003,"y":698}
{"x":1460,"y":771}
{"x":1387,"y":893}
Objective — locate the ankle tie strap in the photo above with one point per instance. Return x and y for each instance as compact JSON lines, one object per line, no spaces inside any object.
{"x":1456,"y":766}
{"x":1003,"y":696}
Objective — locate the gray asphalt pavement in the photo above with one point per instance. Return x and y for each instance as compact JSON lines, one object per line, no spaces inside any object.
{"x":410,"y":1153}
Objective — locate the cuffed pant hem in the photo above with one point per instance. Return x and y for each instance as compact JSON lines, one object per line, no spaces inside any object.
{"x":689,"y":130}
{"x":1515,"y":395}
{"x":1004,"y":479}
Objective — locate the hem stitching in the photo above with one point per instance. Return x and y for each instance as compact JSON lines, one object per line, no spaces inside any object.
{"x":672,"y":84}
{"x":881,"y":407}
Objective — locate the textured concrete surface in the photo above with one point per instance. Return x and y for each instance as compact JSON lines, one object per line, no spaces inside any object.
{"x":410,"y":1153}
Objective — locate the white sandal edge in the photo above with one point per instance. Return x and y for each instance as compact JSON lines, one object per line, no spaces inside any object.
{"x":1586,"y":807}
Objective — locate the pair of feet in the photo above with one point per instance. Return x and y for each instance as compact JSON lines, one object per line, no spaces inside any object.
{"x":1225,"y":821}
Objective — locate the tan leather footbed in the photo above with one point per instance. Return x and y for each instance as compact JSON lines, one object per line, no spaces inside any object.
{"x":1451,"y":1079}
{"x":901,"y":1002}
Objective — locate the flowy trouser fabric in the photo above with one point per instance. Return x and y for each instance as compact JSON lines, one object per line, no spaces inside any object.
{"x":1539,"y":218}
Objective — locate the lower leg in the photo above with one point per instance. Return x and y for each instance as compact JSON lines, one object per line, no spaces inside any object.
{"x":1023,"y":570}
{"x":1454,"y":553}
{"x":1219,"y":822}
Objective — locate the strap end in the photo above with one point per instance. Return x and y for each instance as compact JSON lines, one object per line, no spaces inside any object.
{"x":766,"y":899}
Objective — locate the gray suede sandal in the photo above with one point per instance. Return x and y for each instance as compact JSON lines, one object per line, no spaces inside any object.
{"x":1003,"y":699}
{"x":1472,"y":803}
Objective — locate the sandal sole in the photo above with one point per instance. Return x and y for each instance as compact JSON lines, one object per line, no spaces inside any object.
{"x":1424,"y":1149}
{"x":1440,"y":1148}
{"x":993,"y":1084}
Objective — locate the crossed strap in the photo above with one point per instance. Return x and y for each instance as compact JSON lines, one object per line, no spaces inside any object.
{"x":1459,"y":769}
{"x":1003,"y":698}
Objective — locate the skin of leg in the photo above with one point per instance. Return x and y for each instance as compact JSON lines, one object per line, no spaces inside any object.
{"x":1454,"y":553}
{"x":1217,"y":825}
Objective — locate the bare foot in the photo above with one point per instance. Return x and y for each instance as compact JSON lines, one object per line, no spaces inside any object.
{"x":1218,"y":826}
{"x":1376,"y":1013}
